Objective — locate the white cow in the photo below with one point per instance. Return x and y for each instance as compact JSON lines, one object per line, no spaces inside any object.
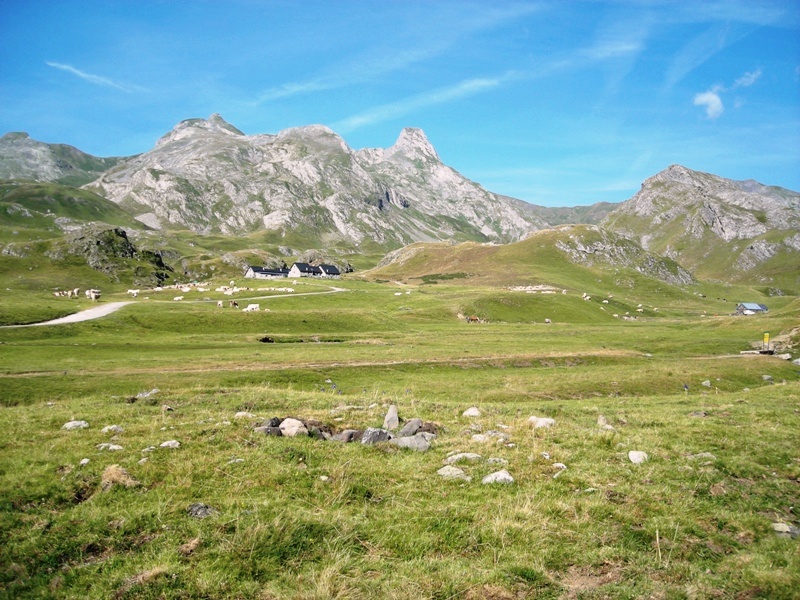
{"x":252,"y":308}
{"x":133,"y":293}
{"x":220,"y":304}
{"x":178,"y":298}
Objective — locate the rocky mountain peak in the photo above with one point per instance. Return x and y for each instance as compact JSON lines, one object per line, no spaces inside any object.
{"x":412,"y":144}
{"x":215,"y":124}
{"x":13,"y":136}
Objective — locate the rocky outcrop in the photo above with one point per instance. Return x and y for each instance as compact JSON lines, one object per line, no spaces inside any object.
{"x":209,"y":176}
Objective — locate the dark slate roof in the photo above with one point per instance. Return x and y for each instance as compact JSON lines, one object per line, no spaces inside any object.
{"x":307,"y":268}
{"x":329,"y":270}
{"x":753,"y":306}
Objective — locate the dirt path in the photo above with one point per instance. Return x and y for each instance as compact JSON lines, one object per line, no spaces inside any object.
{"x":84,"y":315}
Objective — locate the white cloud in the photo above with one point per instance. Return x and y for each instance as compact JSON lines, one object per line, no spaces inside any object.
{"x":94,"y":79}
{"x":748,"y":79}
{"x":712,"y":102}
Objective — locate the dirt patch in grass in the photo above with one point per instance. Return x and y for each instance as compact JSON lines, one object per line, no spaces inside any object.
{"x":582,"y":579}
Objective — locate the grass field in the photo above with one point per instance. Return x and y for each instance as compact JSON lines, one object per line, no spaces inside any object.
{"x":306,"y":518}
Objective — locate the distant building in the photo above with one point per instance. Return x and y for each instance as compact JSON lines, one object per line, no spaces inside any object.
{"x":265,"y":273}
{"x":750,"y":308}
{"x":307,"y":270}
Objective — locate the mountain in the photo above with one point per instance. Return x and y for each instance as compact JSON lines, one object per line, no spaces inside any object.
{"x":716,"y":227}
{"x":24,"y":158}
{"x":306,"y":183}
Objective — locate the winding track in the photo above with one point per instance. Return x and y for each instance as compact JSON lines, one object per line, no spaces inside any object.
{"x":107,"y":309}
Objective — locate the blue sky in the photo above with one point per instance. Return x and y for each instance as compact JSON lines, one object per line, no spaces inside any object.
{"x":558,"y":103}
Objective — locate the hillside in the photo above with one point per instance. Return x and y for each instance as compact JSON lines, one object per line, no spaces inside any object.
{"x":306,"y":184}
{"x":24,"y":158}
{"x":715,"y":227}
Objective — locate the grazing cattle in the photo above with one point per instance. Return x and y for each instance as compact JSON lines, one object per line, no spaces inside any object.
{"x":252,"y":308}
{"x":605,"y":301}
{"x":615,"y":315}
{"x":178,"y":298}
{"x":133,"y":293}
{"x":548,"y":321}
{"x":587,"y":298}
{"x":93,"y":295}
{"x":220,"y":304}
{"x":398,"y":293}
{"x":233,"y":304}
{"x":473,"y":319}
{"x":641,"y":310}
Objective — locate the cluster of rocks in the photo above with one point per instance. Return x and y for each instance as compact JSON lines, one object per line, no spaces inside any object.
{"x":415,"y":434}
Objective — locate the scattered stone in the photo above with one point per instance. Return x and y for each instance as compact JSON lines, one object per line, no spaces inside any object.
{"x":273,"y":422}
{"x":471,"y":412}
{"x":373,"y":435}
{"x":198,"y":510}
{"x":166,"y":408}
{"x":428,"y":427}
{"x":143,"y":460}
{"x":391,"y":421}
{"x":243,"y":414}
{"x":324,"y":478}
{"x":498,"y":477}
{"x":235,"y":461}
{"x":170,"y":444}
{"x":84,"y":462}
{"x":784,"y":530}
{"x":109,"y":447}
{"x":148,"y":449}
{"x":589,"y":490}
{"x":785,"y":356}
{"x":410,"y":428}
{"x":479,"y":438}
{"x":72,"y":425}
{"x":767,"y":378}
{"x":541,"y":422}
{"x":276,"y":431}
{"x":796,"y":362}
{"x":699,"y":413}
{"x":637,"y":457}
{"x":462,"y":456}
{"x":496,"y":461}
{"x":112,"y":429}
{"x":706,"y":383}
{"x":116,"y":475}
{"x":546,"y":455}
{"x":602,"y":421}
{"x":141,"y":395}
{"x":419,"y":442}
{"x":451,"y":472}
{"x":189,"y":547}
{"x":560,"y":466}
{"x":345,"y":436}
{"x":292,"y":428}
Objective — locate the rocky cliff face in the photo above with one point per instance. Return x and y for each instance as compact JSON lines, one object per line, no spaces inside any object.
{"x":709,"y":223}
{"x":24,"y":158}
{"x":209,"y":176}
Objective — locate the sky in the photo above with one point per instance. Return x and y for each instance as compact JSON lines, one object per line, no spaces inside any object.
{"x":559,"y":103}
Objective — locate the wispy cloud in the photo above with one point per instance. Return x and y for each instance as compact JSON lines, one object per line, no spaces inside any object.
{"x":93,"y":79}
{"x":403,"y":107}
{"x":712,"y":98}
{"x":379,"y":61}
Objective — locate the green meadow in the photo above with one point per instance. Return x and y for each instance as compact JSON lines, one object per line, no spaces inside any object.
{"x":308,"y":518}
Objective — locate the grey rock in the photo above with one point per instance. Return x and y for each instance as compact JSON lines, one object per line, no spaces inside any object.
{"x":148,"y":394}
{"x":72,"y":425}
{"x":796,"y":362}
{"x":706,"y":383}
{"x":199,"y":510}
{"x":767,"y":378}
{"x":784,"y":530}
{"x":293,"y":428}
{"x":84,"y":462}
{"x":472,"y":411}
{"x":699,"y":413}
{"x":451,"y":472}
{"x":462,"y":457}
{"x":391,"y":421}
{"x":410,"y":428}
{"x":419,"y":442}
{"x":109,"y":447}
{"x":170,"y":444}
{"x":784,"y":356}
{"x":496,"y":461}
{"x":498,"y":477}
{"x":345,"y":436}
{"x":637,"y":457}
{"x":112,"y":429}
{"x":274,"y":431}
{"x":373,"y":435}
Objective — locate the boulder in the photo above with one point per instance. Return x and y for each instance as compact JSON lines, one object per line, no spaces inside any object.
{"x":637,"y":457}
{"x":276,"y":431}
{"x":292,"y":428}
{"x":419,"y":442}
{"x":451,"y":472}
{"x":170,"y":444}
{"x":471,"y":412}
{"x":198,"y":510}
{"x":498,"y":477}
{"x":373,"y":435}
{"x":71,"y":425}
{"x":462,"y":457}
{"x":391,"y":421}
{"x":345,"y":436}
{"x":541,"y":422}
{"x":112,"y":429}
{"x":410,"y":428}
